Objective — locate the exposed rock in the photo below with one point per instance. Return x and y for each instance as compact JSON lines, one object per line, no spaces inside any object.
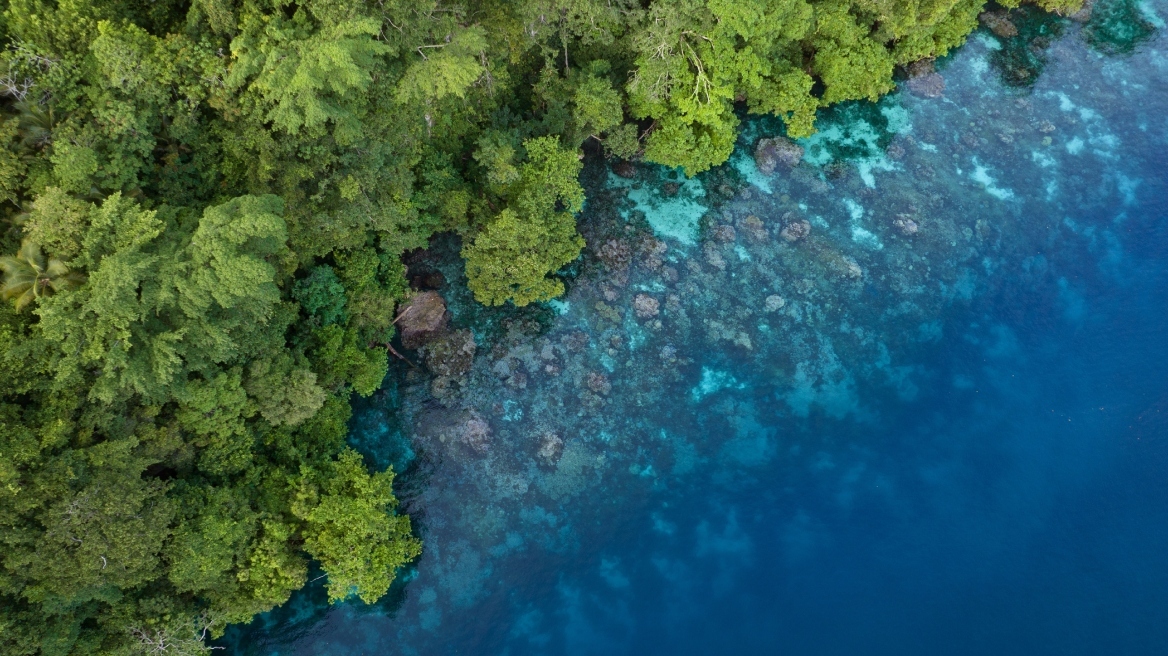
{"x":625,"y":169}
{"x":774,"y":303}
{"x":927,"y":86}
{"x":769,"y":153}
{"x":795,"y":231}
{"x":451,"y":354}
{"x":423,"y":319}
{"x":999,"y":23}
{"x":646,"y":306}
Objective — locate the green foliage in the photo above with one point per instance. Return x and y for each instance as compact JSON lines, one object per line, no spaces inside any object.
{"x":511,"y":258}
{"x":348,"y":513}
{"x":307,"y":78}
{"x":322,"y":295}
{"x":447,"y":71}
{"x":57,"y":222}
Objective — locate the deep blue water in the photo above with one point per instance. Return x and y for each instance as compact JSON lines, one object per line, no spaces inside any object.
{"x":962,"y":449}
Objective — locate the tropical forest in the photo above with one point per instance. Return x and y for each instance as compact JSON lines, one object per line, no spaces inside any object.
{"x":232,"y":229}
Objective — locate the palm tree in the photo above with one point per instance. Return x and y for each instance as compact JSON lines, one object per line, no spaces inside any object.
{"x":28,"y":276}
{"x":36,"y":124}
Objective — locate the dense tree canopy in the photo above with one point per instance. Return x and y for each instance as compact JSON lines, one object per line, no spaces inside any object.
{"x":206,"y":204}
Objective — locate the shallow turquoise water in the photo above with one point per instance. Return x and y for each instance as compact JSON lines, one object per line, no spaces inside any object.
{"x":863,"y":442}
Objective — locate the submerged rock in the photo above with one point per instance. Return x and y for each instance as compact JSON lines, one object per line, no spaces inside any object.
{"x":423,"y":319}
{"x":769,"y":153}
{"x":931,"y":85}
{"x":754,"y":229}
{"x":550,"y":448}
{"x":598,"y":382}
{"x":774,"y":303}
{"x":906,"y":225}
{"x":714,"y":257}
{"x":476,"y":433}
{"x":426,"y":279}
{"x":646,"y":306}
{"x":450,"y":355}
{"x":795,"y":231}
{"x":653,"y":252}
{"x":625,"y":169}
{"x":444,"y":429}
{"x":723,"y":233}
{"x":615,"y":254}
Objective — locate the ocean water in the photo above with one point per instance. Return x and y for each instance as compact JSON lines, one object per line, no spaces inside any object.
{"x":935,"y":423}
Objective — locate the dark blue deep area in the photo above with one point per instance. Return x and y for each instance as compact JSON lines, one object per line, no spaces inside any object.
{"x":1027,"y":515}
{"x":1024,"y":512}
{"x":1016,"y":504}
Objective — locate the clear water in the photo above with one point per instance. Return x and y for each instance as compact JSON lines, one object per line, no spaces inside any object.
{"x":954,"y":441}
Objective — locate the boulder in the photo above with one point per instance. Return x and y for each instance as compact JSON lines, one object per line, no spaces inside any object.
{"x":999,"y":23}
{"x":422,"y":319}
{"x":769,"y":153}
